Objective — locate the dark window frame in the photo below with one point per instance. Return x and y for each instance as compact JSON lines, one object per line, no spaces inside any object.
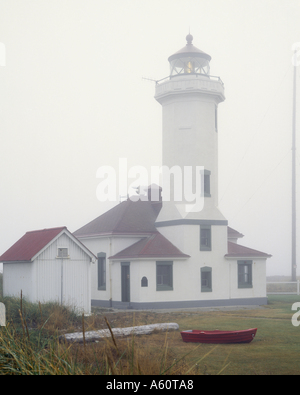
{"x":244,"y":273}
{"x":205,"y":238}
{"x":206,"y":279}
{"x":205,"y":182}
{"x":101,"y":268}
{"x":164,"y":275}
{"x":144,"y":282}
{"x":62,"y":252}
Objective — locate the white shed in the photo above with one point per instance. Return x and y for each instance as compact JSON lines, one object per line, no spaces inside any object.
{"x":49,"y":265}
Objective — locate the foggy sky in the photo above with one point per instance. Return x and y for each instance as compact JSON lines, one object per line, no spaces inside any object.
{"x":73,"y":98}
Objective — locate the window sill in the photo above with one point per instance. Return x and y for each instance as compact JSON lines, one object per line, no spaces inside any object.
{"x":205,"y":249}
{"x":164,"y":288}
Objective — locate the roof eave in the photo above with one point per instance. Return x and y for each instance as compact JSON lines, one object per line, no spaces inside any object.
{"x":21,"y":261}
{"x":232,"y":256}
{"x":115,"y":234}
{"x":138,"y":258}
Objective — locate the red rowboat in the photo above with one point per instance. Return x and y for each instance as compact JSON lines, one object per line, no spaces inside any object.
{"x":218,"y":337}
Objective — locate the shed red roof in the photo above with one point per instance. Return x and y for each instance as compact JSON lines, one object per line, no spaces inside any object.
{"x":30,"y":244}
{"x":154,"y":246}
{"x":238,"y":251}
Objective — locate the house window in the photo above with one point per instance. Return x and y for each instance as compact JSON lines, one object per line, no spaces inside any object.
{"x":144,"y":282}
{"x":205,"y":238}
{"x":164,"y":276}
{"x":206,"y":279}
{"x":62,"y":252}
{"x":101,"y":270}
{"x":244,"y":274}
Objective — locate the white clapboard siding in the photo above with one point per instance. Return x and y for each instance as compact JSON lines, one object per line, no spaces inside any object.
{"x":67,"y":280}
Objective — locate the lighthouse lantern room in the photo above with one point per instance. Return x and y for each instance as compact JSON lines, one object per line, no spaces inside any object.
{"x":189,"y":60}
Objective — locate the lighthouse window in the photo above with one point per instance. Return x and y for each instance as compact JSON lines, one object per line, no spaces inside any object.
{"x":206,"y":183}
{"x":216,"y":118}
{"x":205,"y":238}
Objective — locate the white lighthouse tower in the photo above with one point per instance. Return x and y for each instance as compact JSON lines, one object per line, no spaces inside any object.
{"x":190,"y":97}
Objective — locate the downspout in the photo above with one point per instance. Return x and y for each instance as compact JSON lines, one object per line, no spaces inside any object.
{"x":62,"y":281}
{"x":109,"y":270}
{"x":229,"y":279}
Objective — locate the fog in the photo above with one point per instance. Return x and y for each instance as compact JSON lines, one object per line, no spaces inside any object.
{"x":76,"y":94}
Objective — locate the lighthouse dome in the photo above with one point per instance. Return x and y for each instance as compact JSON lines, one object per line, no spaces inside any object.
{"x":189,"y":60}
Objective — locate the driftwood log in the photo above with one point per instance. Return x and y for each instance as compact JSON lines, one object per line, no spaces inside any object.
{"x":92,"y":336}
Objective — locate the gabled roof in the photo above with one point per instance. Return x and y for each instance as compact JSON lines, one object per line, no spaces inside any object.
{"x":33,"y":242}
{"x":154,"y":246}
{"x":238,"y":251}
{"x":30,"y":244}
{"x":129,"y":217}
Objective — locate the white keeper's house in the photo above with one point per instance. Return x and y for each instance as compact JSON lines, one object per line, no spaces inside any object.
{"x":157,"y":253}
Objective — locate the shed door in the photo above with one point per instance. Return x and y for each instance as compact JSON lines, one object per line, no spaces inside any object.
{"x":125,"y":281}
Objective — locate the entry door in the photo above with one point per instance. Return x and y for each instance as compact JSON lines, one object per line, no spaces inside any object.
{"x":125,"y":281}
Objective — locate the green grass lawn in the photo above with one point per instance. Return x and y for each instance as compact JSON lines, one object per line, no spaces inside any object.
{"x":275,"y":349}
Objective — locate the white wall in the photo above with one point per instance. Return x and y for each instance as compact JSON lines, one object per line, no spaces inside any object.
{"x":259,"y":288}
{"x":186,"y":273}
{"x":50,"y":279}
{"x":187,"y":281}
{"x":111,"y":246}
{"x":17,"y":277}
{"x":66,"y":280}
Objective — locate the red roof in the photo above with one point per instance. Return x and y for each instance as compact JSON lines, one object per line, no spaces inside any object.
{"x":154,"y":246}
{"x":128,"y":217}
{"x":30,"y":244}
{"x":232,"y":233}
{"x":238,"y":251}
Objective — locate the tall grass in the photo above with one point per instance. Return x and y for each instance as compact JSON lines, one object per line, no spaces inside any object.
{"x":30,"y":345}
{"x":21,"y":355}
{"x":52,"y":316}
{"x":29,"y":341}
